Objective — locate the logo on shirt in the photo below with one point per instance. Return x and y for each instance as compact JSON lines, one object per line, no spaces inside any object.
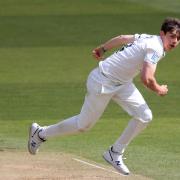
{"x":155,"y":58}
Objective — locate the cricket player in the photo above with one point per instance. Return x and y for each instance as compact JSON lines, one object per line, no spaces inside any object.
{"x":113,"y":79}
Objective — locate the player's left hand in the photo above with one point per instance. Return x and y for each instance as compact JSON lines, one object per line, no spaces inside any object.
{"x":98,"y":53}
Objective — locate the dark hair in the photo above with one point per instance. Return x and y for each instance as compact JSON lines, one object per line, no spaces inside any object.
{"x":170,"y":24}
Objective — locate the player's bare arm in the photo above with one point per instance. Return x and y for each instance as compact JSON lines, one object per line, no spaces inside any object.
{"x":112,"y":43}
{"x":149,"y":80}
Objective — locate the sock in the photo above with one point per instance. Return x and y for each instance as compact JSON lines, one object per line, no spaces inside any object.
{"x":132,"y":130}
{"x":66,"y":127}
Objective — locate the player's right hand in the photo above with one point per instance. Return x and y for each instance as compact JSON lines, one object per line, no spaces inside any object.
{"x":98,"y":53}
{"x":163,"y":90}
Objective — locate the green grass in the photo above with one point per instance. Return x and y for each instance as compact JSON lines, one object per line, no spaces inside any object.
{"x":45,"y":58}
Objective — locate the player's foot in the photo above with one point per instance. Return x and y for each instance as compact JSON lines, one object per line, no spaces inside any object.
{"x":116,"y":160}
{"x":34,"y":139}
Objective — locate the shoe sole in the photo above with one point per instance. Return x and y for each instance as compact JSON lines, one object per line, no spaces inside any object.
{"x":122,"y":173}
{"x":29,"y":141}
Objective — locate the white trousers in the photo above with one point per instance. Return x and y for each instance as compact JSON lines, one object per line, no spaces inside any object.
{"x":100,"y":91}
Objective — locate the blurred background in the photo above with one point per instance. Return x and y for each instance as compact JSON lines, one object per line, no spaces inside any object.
{"x":45,"y":58}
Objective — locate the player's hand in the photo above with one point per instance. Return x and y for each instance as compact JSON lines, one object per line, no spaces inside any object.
{"x":98,"y":52}
{"x":163,"y":90}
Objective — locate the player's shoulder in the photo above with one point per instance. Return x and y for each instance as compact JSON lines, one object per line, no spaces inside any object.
{"x":145,"y":38}
{"x":149,"y":41}
{"x":142,"y":36}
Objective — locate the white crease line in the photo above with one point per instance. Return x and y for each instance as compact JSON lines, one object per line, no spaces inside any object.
{"x":96,"y":166}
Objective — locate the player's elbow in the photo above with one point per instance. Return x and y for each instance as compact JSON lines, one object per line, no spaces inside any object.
{"x":125,"y":39}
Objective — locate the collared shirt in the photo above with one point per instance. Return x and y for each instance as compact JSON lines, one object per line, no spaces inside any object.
{"x":123,"y":65}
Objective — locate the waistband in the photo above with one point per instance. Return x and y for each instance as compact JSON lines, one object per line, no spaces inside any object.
{"x":115,"y":83}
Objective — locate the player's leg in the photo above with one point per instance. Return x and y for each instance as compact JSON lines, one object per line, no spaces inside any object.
{"x":132,"y":101}
{"x":93,"y":107}
{"x":91,"y":111}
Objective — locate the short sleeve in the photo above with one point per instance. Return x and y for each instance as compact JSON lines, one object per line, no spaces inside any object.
{"x":141,"y":36}
{"x":152,"y":56}
{"x":137,"y":36}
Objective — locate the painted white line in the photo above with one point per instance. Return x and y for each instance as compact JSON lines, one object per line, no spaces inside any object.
{"x":96,"y":166}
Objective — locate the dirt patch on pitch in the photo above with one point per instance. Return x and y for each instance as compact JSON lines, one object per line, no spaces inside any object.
{"x":53,"y":166}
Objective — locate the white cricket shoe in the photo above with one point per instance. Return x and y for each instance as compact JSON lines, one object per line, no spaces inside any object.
{"x":116,"y":160}
{"x":34,"y":139}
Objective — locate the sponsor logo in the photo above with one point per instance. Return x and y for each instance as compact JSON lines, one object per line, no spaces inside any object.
{"x":155,"y":58}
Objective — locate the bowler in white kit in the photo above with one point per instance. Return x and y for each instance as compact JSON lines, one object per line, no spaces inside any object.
{"x":113,"y":80}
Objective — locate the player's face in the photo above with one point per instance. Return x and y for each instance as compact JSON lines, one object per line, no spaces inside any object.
{"x":170,"y":39}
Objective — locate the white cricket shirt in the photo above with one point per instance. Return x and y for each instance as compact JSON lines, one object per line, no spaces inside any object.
{"x":126,"y":63}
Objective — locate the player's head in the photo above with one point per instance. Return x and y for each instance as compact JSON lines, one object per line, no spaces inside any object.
{"x":170,"y":33}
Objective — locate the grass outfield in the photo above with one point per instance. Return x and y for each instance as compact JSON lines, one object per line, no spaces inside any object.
{"x":45,"y":58}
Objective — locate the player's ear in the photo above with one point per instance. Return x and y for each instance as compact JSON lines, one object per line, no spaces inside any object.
{"x":162,"y":33}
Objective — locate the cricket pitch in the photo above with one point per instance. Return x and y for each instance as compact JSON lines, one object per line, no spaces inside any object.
{"x":17,"y":165}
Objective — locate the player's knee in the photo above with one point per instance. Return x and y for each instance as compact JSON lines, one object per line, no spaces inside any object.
{"x":86,"y":123}
{"x":146,"y":116}
{"x":84,"y":127}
